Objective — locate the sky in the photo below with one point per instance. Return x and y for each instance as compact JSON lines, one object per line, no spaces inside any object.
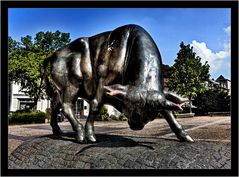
{"x":207,"y":30}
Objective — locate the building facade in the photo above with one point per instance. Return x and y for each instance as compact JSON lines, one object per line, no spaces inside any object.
{"x":19,"y":100}
{"x":225,"y":84}
{"x":220,"y":83}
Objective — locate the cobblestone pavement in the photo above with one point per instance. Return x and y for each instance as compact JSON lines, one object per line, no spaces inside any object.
{"x":119,"y":147}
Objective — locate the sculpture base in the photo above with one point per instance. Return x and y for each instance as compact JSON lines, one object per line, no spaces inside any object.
{"x":118,"y":152}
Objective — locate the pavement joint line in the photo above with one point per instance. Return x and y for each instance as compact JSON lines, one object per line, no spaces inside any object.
{"x":161,"y":128}
{"x":193,"y":128}
{"x":212,"y":140}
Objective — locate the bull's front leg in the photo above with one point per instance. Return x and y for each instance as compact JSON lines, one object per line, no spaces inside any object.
{"x":89,"y":126}
{"x":95,"y":106}
{"x":175,"y":126}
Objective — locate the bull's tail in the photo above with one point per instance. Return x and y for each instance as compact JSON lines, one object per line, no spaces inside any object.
{"x":45,"y":82}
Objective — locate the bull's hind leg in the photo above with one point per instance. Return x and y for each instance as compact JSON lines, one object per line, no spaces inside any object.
{"x":55,"y":106}
{"x":176,"y":127}
{"x":69,"y":98}
{"x":76,"y":125}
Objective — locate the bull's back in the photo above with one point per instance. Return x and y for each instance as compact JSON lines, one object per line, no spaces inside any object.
{"x":126,"y":55}
{"x":130,"y":55}
{"x":144,"y":61}
{"x":71,"y":64}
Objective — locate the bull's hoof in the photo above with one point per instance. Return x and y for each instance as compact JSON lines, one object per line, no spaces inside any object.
{"x":91,"y":139}
{"x":80,"y":138}
{"x":90,"y":133}
{"x":57,"y":131}
{"x":189,"y":139}
{"x":186,"y":138}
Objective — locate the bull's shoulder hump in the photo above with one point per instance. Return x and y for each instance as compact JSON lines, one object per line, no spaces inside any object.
{"x":100,"y":35}
{"x":131,"y":27}
{"x":99,"y":39}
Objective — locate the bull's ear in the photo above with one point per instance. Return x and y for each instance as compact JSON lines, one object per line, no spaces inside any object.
{"x":116,"y":90}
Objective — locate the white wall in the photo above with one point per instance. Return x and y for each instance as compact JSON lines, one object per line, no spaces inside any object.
{"x":229,"y":87}
{"x":87,"y":110}
{"x":16,"y":95}
{"x":42,"y":105}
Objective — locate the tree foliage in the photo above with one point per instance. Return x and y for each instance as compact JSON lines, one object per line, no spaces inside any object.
{"x":25,"y":58}
{"x":188,"y":75}
{"x":212,"y":100}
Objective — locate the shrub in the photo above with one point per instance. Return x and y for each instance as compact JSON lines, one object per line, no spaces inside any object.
{"x":104,"y":115}
{"x":122,"y":117}
{"x":212,"y":101}
{"x":26,"y":118}
{"x":23,"y":110}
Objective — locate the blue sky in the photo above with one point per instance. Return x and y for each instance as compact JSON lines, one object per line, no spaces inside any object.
{"x":208,"y":30}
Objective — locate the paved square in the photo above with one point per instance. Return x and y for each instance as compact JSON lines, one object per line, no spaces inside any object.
{"x":118,"y":147}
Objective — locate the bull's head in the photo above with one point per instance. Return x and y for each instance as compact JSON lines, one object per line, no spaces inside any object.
{"x":139,"y":106}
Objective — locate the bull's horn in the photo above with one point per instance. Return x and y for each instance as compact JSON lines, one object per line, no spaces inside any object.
{"x":172,"y":106}
{"x":174,"y":97}
{"x":158,"y":101}
{"x":116,"y":90}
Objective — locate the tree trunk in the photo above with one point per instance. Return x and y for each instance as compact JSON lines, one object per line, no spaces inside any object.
{"x":190,"y":105}
{"x":34,"y":108}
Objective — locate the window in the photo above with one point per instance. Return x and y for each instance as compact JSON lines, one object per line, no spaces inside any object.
{"x":25,"y":103}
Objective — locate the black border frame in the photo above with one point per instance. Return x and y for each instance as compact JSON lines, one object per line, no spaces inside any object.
{"x":233,"y":5}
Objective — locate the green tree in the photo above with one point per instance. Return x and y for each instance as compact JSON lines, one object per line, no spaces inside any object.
{"x":26,"y":57}
{"x":212,"y":100}
{"x":188,"y":75}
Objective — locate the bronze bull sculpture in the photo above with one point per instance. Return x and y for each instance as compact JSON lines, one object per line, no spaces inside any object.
{"x":120,"y":67}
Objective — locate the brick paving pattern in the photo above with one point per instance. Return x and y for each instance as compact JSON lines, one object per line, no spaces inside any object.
{"x":118,"y":147}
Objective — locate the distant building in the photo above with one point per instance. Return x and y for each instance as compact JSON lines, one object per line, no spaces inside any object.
{"x":19,"y":101}
{"x":220,"y":83}
{"x":225,"y":84}
{"x":82,"y":108}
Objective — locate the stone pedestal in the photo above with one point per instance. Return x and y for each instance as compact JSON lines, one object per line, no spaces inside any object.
{"x":118,"y":152}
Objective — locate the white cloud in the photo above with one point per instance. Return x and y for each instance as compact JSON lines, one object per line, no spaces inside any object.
{"x":216,"y":60}
{"x":228,"y":30}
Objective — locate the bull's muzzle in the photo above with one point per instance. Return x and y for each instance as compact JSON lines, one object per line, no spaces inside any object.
{"x":136,"y":126}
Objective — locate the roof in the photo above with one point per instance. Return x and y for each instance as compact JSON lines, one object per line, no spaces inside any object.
{"x":221,"y":78}
{"x":213,"y":82}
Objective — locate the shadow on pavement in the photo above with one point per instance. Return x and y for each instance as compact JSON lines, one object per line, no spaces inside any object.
{"x":103,"y":140}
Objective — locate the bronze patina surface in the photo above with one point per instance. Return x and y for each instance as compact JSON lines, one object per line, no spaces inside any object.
{"x":120,"y":67}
